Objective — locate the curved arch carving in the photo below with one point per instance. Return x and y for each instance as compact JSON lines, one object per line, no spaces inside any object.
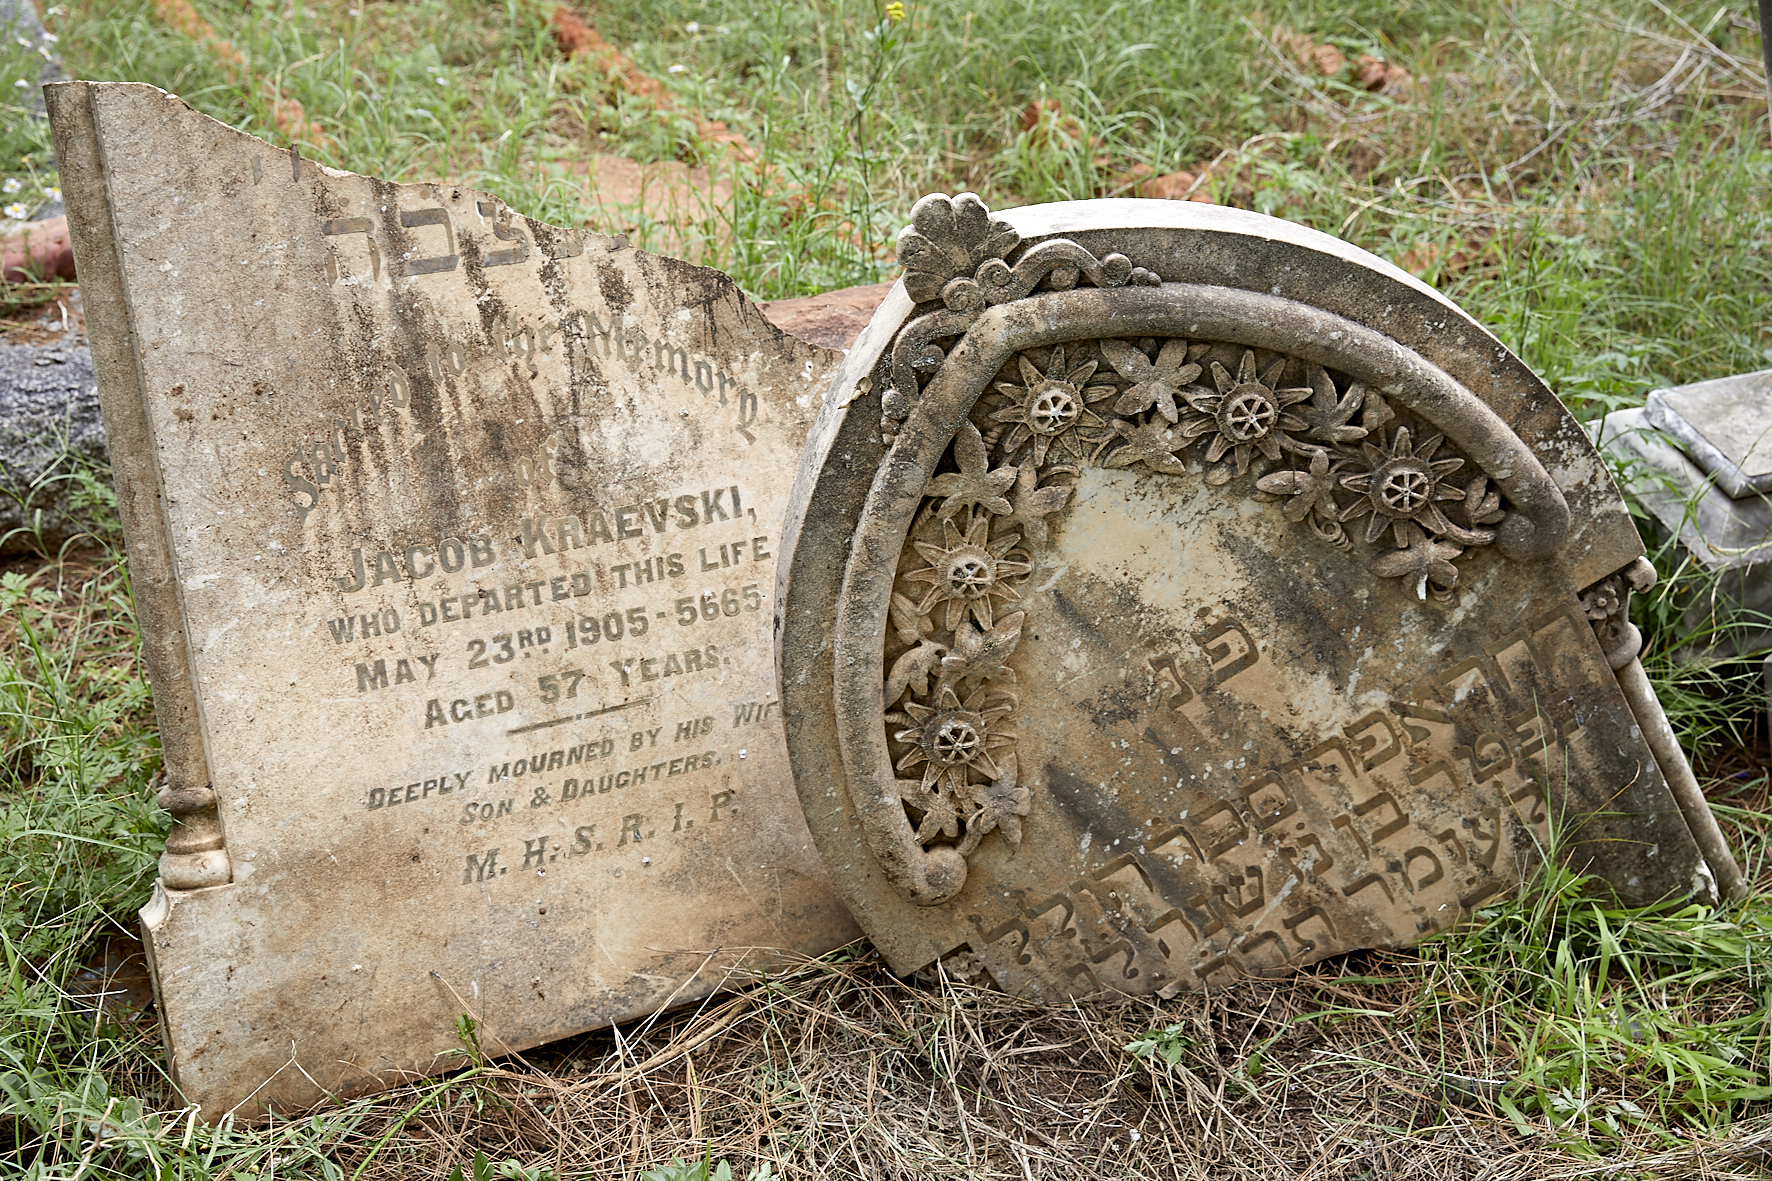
{"x":948,"y":706}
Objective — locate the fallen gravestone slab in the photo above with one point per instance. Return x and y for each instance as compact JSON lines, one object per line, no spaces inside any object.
{"x":1695,"y":457}
{"x":1725,"y":425}
{"x":1210,"y":597}
{"x":452,"y":538}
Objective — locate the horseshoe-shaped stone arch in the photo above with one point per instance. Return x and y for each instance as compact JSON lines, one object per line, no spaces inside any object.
{"x":1081,"y":438}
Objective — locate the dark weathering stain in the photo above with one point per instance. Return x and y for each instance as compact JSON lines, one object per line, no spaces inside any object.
{"x":1076,"y":613}
{"x":405,"y":309}
{"x":1085,"y":808}
{"x":1115,"y":703}
{"x":1180,"y":887}
{"x":473,"y":264}
{"x":1301,"y":585}
{"x":614,"y":286}
{"x":410,"y":310}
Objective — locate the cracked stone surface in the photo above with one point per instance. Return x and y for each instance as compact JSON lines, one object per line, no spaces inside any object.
{"x":452,"y":536}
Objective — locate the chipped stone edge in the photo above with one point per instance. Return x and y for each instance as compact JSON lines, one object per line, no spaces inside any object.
{"x":196,"y":855}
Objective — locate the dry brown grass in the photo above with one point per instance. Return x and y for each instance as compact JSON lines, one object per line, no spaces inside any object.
{"x":838,"y":1069}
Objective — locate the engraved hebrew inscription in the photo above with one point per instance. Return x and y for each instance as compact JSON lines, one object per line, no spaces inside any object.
{"x":1223,"y":632}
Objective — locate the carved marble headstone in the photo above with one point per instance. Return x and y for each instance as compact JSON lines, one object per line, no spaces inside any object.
{"x":453,"y":540}
{"x":1210,"y":597}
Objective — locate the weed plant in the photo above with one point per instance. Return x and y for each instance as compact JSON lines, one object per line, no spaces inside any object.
{"x":1591,"y":181}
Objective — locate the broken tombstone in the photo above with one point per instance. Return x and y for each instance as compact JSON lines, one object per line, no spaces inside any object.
{"x":1210,"y":597}
{"x":1698,"y":459}
{"x":1725,"y":426}
{"x":452,"y":536}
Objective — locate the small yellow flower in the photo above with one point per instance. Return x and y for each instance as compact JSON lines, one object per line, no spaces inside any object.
{"x":895,"y":11}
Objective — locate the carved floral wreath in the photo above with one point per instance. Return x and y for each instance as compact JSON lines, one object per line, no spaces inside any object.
{"x":953,"y":611}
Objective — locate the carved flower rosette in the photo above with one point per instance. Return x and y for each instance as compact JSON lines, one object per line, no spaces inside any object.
{"x":1100,"y":364}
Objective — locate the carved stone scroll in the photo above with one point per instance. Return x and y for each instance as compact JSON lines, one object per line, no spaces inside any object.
{"x":1207,"y":579}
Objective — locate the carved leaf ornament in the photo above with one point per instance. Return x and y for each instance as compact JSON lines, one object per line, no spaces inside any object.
{"x":1328,"y":451}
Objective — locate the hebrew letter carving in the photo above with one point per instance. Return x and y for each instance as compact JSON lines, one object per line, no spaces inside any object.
{"x":1473,"y":755}
{"x":334,"y":227}
{"x":1183,"y":692}
{"x":1516,"y":665}
{"x":1172,"y":845}
{"x":1066,"y":928}
{"x":1529,"y":790}
{"x":1449,"y":840}
{"x":1201,"y":904}
{"x":1268,"y":800}
{"x":1345,"y":824}
{"x":1226,"y":836}
{"x":504,"y":231}
{"x":1444,"y":736}
{"x":1129,"y":890}
{"x":1370,"y":880}
{"x":1363,"y":734}
{"x":1012,"y":927}
{"x":1223,"y":964}
{"x":1228,"y":657}
{"x":1127,"y":970}
{"x":1297,"y":922}
{"x":437,"y":263}
{"x":1486,"y":857}
{"x":1409,"y":860}
{"x":1467,"y":677}
{"x":1245,"y":895}
{"x":1397,"y":824}
{"x":1174,"y":939}
{"x":1262,"y":953}
{"x":1306,"y":865}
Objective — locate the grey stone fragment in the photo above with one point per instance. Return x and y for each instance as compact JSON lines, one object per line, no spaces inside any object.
{"x":1729,"y":536}
{"x":49,"y":414}
{"x":49,"y":428}
{"x":19,"y":18}
{"x":1721,"y":531}
{"x":1725,"y":425}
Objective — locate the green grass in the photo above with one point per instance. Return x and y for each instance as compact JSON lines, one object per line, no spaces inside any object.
{"x":1619,"y":1021}
{"x":1593,"y":181}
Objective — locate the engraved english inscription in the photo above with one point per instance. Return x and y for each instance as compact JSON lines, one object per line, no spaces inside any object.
{"x":472,"y":524}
